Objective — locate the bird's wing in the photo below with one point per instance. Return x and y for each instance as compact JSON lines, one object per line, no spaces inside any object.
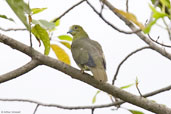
{"x":99,"y":51}
{"x":81,"y":54}
{"x":98,"y":71}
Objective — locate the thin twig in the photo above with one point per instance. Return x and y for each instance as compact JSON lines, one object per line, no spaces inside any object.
{"x":168,"y":46}
{"x":110,"y":24}
{"x":167,"y":28}
{"x":85,"y":107}
{"x":139,"y":34}
{"x":138,"y":88}
{"x":127,"y":5}
{"x":151,"y":16}
{"x":167,"y":88}
{"x":61,"y":106}
{"x":30,"y":23}
{"x":92,"y":111}
{"x":35,"y":110}
{"x":68,"y":10}
{"x":13,"y":29}
{"x":102,"y":7}
{"x":120,"y":64}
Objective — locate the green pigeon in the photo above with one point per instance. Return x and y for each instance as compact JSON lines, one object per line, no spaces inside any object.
{"x":87,"y":53}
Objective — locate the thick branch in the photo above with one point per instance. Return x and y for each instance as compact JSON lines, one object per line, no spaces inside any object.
{"x":20,"y":71}
{"x":76,"y":74}
{"x":140,"y":34}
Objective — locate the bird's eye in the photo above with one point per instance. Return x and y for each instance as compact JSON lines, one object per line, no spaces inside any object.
{"x":75,"y":27}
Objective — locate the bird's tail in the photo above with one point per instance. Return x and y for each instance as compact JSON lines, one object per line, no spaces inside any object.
{"x":99,"y":74}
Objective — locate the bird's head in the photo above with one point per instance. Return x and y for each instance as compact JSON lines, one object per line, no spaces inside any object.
{"x":77,"y":32}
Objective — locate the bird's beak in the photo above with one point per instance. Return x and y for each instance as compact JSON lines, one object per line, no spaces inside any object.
{"x":70,"y":31}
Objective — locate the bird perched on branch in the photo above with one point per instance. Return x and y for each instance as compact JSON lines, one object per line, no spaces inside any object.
{"x":88,"y":53}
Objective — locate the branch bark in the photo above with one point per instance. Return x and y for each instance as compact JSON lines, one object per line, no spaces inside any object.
{"x":153,"y":46}
{"x":107,"y":22}
{"x":76,"y":74}
{"x":20,"y":71}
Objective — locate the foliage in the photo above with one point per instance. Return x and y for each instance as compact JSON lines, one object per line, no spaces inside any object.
{"x":165,"y":11}
{"x":65,"y":37}
{"x":20,"y":8}
{"x":41,"y":33}
{"x":94,"y":98}
{"x":126,"y":86}
{"x":135,"y":111}
{"x":5,"y":17}
{"x":130,"y":17}
{"x":41,"y":29}
{"x":60,"y":53}
{"x":37,"y":10}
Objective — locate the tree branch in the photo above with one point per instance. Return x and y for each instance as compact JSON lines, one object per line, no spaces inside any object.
{"x":58,"y":106}
{"x":76,"y":74}
{"x":13,"y":29}
{"x":20,"y":71}
{"x":68,"y":10}
{"x":35,"y":110}
{"x":157,"y":91}
{"x":164,"y":45}
{"x":140,"y":34}
{"x":127,"y":5}
{"x":120,"y":64}
{"x":84,"y":107}
{"x":110,"y":24}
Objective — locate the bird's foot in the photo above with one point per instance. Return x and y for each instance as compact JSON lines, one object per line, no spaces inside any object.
{"x":82,"y":71}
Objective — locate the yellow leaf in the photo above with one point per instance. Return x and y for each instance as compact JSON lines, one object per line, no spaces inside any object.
{"x":66,"y":44}
{"x":130,"y":17}
{"x":60,"y":54}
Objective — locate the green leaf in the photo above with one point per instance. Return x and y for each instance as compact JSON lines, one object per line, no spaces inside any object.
{"x":20,"y":8}
{"x":37,"y":10}
{"x":5,"y":17}
{"x":135,"y":111}
{"x":94,"y":98}
{"x":66,"y":44}
{"x":60,"y":54}
{"x":136,"y":81}
{"x":57,"y":23}
{"x":157,"y":14}
{"x":148,"y":28}
{"x":42,"y":34}
{"x":44,"y":24}
{"x":127,"y":86}
{"x":165,"y":3}
{"x":65,"y":37}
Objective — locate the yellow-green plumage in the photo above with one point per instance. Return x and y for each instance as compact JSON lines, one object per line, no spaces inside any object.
{"x":88,"y":53}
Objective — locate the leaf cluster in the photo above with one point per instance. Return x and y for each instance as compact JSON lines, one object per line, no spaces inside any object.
{"x":41,"y":29}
